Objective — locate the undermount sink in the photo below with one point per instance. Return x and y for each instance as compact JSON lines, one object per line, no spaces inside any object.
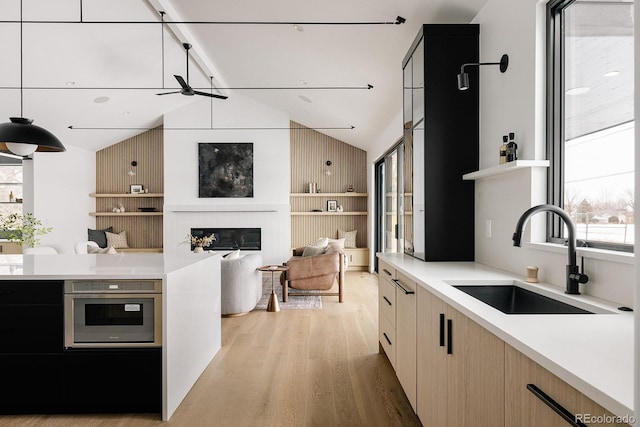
{"x":511,"y":298}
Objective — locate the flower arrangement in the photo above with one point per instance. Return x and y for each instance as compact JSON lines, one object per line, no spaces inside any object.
{"x":200,"y":241}
{"x":23,"y":229}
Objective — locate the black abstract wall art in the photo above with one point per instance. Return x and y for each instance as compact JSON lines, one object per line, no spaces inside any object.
{"x":225,"y":169}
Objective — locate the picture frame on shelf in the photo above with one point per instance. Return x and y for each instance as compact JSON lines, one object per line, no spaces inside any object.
{"x":332,"y":205}
{"x":136,"y":189}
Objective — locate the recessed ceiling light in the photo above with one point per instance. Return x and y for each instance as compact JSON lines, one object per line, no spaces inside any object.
{"x":302,"y":82}
{"x":304,"y":98}
{"x":611,"y":73}
{"x":298,"y":28}
{"x":101,"y":99}
{"x":126,"y":113}
{"x":578,"y":90}
{"x":70,"y":83}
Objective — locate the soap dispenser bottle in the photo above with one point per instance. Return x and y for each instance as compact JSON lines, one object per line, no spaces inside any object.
{"x":503,"y":150}
{"x":512,"y":148}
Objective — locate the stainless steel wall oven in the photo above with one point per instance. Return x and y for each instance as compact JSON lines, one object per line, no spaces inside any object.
{"x":112,"y":313}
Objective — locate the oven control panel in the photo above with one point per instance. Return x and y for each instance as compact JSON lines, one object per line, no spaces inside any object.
{"x":112,"y":286}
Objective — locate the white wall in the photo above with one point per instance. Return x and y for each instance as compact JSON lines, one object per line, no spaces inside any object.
{"x":57,"y":187}
{"x":515,"y":102}
{"x":268,"y":209}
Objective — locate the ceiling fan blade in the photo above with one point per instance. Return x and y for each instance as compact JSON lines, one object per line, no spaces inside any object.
{"x":168,"y":93}
{"x":212,"y":95}
{"x":182,"y":82}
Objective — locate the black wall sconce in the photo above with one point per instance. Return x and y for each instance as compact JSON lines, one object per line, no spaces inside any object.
{"x":328,"y":163}
{"x":463,"y":78}
{"x":132,"y":171}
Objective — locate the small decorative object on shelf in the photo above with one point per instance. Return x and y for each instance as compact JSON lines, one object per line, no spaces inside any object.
{"x":11,"y":197}
{"x":350,"y":189}
{"x":312,"y":188}
{"x":332,"y":205}
{"x":199,"y":242}
{"x":136,"y":189}
{"x":339,"y":208}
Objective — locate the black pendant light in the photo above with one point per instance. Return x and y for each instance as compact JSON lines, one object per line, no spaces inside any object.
{"x":20,"y":136}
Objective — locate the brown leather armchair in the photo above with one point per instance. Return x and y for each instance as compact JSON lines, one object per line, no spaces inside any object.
{"x":318,"y":272}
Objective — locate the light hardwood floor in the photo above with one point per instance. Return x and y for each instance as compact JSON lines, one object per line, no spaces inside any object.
{"x":292,"y":368}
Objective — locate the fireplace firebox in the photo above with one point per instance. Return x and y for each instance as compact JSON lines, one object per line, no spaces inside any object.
{"x":228,"y":239}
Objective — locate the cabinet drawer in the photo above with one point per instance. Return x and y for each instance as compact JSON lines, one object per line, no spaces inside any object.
{"x":387,"y":339}
{"x":31,"y":292}
{"x":387,"y":301}
{"x":405,"y":284}
{"x":31,"y":329}
{"x":7,"y":248}
{"x":357,"y":257}
{"x":386,"y":271}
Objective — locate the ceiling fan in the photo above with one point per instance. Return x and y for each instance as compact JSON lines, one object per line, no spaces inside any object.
{"x":186,"y":89}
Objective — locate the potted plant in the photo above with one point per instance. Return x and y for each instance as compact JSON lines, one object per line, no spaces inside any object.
{"x":24,"y":229}
{"x":199,"y":242}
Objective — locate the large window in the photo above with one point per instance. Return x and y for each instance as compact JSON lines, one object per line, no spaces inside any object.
{"x":590,"y":119}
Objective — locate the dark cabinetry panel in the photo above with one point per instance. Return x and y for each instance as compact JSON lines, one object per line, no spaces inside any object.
{"x":113,"y":380}
{"x":38,"y":376}
{"x":441,"y":123}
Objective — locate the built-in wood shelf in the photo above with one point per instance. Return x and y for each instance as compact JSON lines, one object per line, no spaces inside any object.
{"x":504,"y":168}
{"x":160,"y":213}
{"x":146,"y":250}
{"x":329,"y":194}
{"x":329,"y":213}
{"x":126,"y":195}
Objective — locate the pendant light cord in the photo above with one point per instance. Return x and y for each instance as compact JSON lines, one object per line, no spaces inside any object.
{"x":21,"y":71}
{"x":162,"y":43}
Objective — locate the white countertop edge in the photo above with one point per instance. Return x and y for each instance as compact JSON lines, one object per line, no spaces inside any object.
{"x":593,"y":386}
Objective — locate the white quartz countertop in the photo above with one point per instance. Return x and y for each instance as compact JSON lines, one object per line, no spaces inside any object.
{"x":98,"y":266}
{"x":591,"y":352}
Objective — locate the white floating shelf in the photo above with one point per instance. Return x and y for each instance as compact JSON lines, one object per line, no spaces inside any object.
{"x":504,"y":168}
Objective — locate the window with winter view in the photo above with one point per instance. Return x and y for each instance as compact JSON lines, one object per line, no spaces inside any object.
{"x":591,"y":127}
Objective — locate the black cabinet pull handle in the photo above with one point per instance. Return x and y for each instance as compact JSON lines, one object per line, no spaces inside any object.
{"x":388,"y":302}
{"x":441,"y":329}
{"x":387,"y":338}
{"x":387,"y":271}
{"x":402,"y":288}
{"x":449,"y":336}
{"x":559,"y":409}
{"x":6,"y":291}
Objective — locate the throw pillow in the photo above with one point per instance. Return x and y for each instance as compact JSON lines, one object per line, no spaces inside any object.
{"x":321,"y":242}
{"x":94,"y":250}
{"x":311,"y":250}
{"x":350,"y":238}
{"x":118,"y":240}
{"x":335,"y":245}
{"x":232,"y":255}
{"x":99,"y":236}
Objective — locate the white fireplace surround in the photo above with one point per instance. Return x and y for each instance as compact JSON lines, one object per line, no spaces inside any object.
{"x":274,"y":220}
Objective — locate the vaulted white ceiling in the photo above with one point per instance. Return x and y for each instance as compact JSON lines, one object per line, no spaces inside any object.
{"x":124,"y":62}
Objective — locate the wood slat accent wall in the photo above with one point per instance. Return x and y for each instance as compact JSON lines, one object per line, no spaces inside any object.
{"x":309,"y":152}
{"x":112,"y":166}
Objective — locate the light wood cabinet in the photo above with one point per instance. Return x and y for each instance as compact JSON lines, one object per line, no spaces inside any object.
{"x":460,"y":367}
{"x":406,"y":336}
{"x":524,"y":408}
{"x":8,"y":248}
{"x":358,"y":258}
{"x":387,"y":311}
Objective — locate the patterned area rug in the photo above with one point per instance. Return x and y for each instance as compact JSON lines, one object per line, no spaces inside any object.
{"x":294,"y":303}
